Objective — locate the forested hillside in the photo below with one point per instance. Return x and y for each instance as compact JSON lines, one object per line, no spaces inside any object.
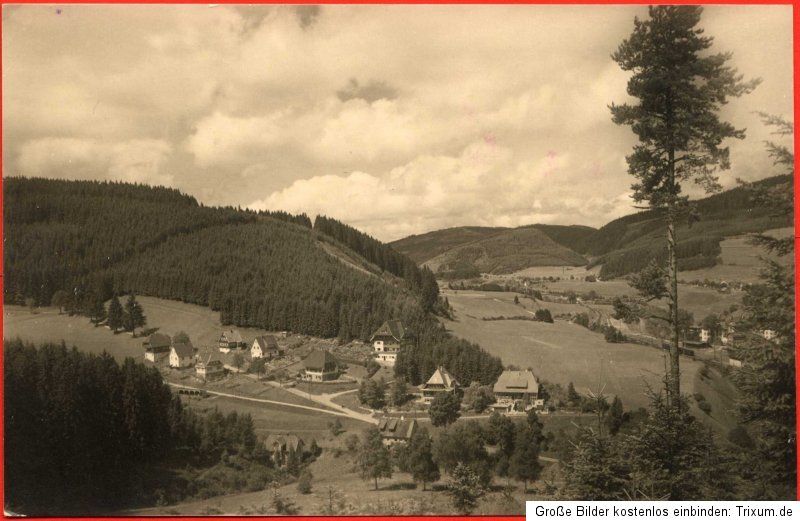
{"x":622,"y":246}
{"x":627,"y":244}
{"x":84,"y":432}
{"x":260,"y":269}
{"x":507,"y":252}
{"x":424,"y":247}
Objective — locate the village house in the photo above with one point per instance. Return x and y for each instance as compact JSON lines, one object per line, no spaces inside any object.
{"x":386,"y":341}
{"x":769,"y":334}
{"x":397,"y":430}
{"x":209,"y":366}
{"x":440,"y":382}
{"x":265,"y":346}
{"x":230,"y":339}
{"x":280,"y":446}
{"x":157,"y":347}
{"x":320,"y":366}
{"x":181,"y":355}
{"x":516,"y":390}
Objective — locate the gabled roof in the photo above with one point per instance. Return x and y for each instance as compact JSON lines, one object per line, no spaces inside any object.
{"x":320,"y":360}
{"x":157,"y":340}
{"x":183,"y":350}
{"x":209,"y":356}
{"x":392,"y":328}
{"x":231,"y":335}
{"x":441,"y":377}
{"x":397,"y":427}
{"x":267,"y":342}
{"x":516,"y":382}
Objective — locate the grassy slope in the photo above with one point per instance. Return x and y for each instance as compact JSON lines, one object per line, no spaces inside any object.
{"x":508,"y":252}
{"x":728,"y":214}
{"x":424,"y":247}
{"x":560,"y":352}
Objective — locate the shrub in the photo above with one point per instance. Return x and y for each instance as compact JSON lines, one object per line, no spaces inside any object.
{"x":304,"y":483}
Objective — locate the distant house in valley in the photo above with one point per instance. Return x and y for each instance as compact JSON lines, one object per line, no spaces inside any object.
{"x":769,"y":334}
{"x":387,"y":340}
{"x":209,"y":366}
{"x":440,"y":382}
{"x":157,"y":347}
{"x":181,"y":355}
{"x":397,"y":430}
{"x":516,"y":388}
{"x":320,"y":366}
{"x":265,"y":346}
{"x":279,"y":447}
{"x":230,"y":339}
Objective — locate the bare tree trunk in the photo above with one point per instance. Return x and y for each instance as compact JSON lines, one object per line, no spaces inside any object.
{"x":674,"y":379}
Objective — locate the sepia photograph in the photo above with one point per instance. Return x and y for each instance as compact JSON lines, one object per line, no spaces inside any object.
{"x":327,"y":260}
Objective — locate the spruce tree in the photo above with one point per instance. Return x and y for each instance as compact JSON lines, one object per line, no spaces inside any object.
{"x":524,"y":462}
{"x":115,"y":314}
{"x":374,"y":459}
{"x":420,"y":458}
{"x":615,"y":417}
{"x":681,"y":88}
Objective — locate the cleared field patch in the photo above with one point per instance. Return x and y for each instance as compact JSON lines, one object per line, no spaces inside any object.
{"x":272,"y":418}
{"x":562,"y":352}
{"x":46,"y":325}
{"x":741,"y":261}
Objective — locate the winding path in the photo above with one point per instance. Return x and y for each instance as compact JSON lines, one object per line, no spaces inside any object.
{"x":340,"y":411}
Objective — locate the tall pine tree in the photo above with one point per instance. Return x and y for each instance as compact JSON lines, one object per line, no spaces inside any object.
{"x":681,"y":87}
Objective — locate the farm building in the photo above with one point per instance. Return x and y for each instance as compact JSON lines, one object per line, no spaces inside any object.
{"x":230,"y":339}
{"x":397,"y":430}
{"x":181,"y":355}
{"x":209,"y":366}
{"x":320,"y":366}
{"x":386,"y":341}
{"x":516,"y":388}
{"x":265,"y":346}
{"x":157,"y":347}
{"x":279,"y":447}
{"x":440,"y":382}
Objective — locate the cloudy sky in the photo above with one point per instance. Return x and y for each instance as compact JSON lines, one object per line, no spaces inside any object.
{"x":395,"y":119}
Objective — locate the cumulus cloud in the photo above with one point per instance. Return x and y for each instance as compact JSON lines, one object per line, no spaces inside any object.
{"x":518,"y":193}
{"x":447,"y":114}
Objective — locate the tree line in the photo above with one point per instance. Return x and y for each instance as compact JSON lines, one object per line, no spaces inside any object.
{"x":420,"y":281}
{"x":85,"y":434}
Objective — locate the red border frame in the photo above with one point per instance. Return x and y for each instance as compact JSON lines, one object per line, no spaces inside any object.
{"x":796,"y":66}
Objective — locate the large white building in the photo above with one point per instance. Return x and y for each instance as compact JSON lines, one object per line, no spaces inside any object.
{"x":387,"y":340}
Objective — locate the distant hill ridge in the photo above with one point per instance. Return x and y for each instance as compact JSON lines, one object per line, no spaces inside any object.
{"x":622,"y":246}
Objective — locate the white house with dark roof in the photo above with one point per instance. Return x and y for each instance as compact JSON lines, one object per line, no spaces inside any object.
{"x":387,"y":340}
{"x":516,"y":388}
{"x":320,"y":366}
{"x":265,"y":346}
{"x":181,"y":355}
{"x":440,"y":381}
{"x":209,"y":365}
{"x":230,"y":339}
{"x":157,"y":347}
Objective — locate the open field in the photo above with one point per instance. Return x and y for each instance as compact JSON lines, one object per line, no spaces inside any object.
{"x":272,"y":419}
{"x":741,"y":261}
{"x":48,"y":326}
{"x":561,"y":352}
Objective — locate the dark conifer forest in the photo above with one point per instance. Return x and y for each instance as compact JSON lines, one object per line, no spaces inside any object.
{"x":261,"y":269}
{"x":83,"y":433}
